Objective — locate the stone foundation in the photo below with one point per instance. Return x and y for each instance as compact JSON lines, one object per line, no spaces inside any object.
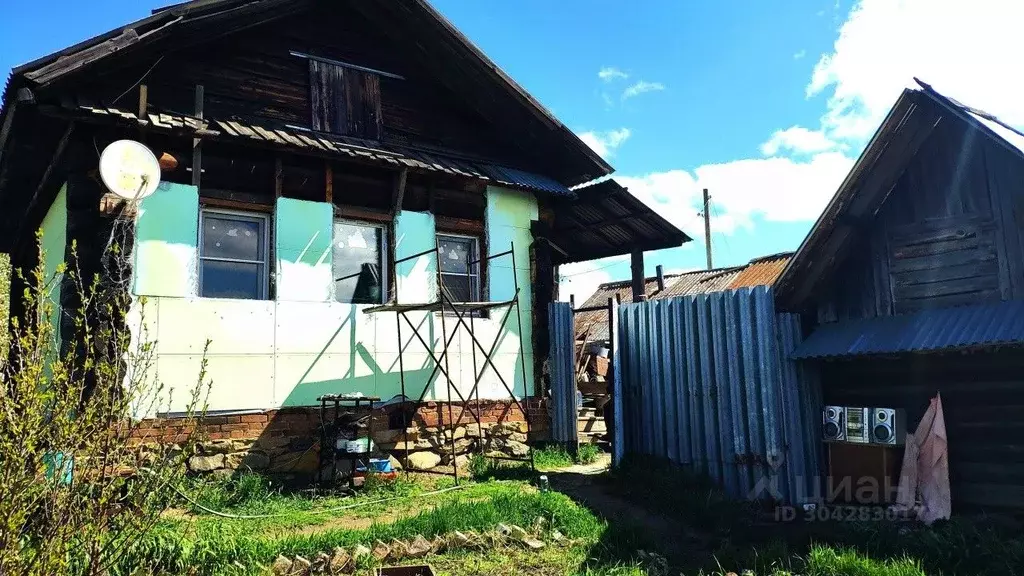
{"x":286,"y":442}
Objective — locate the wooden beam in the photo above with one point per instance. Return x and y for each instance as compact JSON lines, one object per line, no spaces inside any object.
{"x":197,"y":144}
{"x":57,"y":156}
{"x":399,"y":196}
{"x":278,"y":177}
{"x":143,"y":103}
{"x":636,"y":266}
{"x":329,"y":184}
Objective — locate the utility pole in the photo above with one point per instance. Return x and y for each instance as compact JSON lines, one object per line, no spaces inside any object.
{"x":707,"y":226}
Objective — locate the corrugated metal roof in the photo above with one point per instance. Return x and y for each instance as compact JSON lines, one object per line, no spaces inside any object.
{"x":701,"y":282}
{"x":299,"y":139}
{"x":925,"y":331}
{"x":761,"y":272}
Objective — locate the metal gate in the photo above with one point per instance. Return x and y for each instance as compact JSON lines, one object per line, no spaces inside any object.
{"x":707,"y":383}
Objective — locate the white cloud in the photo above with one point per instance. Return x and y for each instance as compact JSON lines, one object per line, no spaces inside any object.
{"x":611,"y":73}
{"x":775,"y":189}
{"x":642,"y":87}
{"x":885,"y":43}
{"x":605,"y":143}
{"x":799,"y":55}
{"x":583,"y":278}
{"x":798,"y":140}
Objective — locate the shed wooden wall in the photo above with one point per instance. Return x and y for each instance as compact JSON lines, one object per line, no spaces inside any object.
{"x":252,"y":75}
{"x":983,"y":404}
{"x":948,"y":234}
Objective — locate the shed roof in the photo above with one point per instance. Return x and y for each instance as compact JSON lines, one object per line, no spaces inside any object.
{"x":910,"y":121}
{"x":924,"y":331}
{"x":606,"y":220}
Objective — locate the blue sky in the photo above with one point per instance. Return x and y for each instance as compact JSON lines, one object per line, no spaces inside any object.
{"x":767,"y":104}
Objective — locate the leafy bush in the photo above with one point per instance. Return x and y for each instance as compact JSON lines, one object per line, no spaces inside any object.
{"x":76,"y":488}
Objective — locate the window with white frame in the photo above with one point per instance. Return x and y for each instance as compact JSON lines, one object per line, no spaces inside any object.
{"x":460,"y":272}
{"x":233,"y":255}
{"x":358,"y":253}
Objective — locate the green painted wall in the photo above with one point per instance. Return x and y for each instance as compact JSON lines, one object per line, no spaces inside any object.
{"x":55,"y":234}
{"x":508,"y":218}
{"x":167,"y":234}
{"x":416,"y":278}
{"x":288,"y":351}
{"x":302,"y":240}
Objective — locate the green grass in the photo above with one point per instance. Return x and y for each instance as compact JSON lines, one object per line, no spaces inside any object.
{"x":211,"y":545}
{"x":203,"y":544}
{"x":739,"y":539}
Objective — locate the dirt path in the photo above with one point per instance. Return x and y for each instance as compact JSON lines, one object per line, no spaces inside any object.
{"x":585,"y":484}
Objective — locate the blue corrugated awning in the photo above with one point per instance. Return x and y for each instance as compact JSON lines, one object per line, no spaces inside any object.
{"x":925,"y":331}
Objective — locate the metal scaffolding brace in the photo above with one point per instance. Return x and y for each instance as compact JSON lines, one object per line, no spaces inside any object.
{"x":464,"y":313}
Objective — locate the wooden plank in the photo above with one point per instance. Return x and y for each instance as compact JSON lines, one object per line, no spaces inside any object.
{"x":235,"y":205}
{"x":398,"y":198}
{"x":944,"y":273}
{"x":957,"y":258}
{"x":917,"y":249}
{"x":903,"y":306}
{"x":947,"y":287}
{"x":984,"y":494}
{"x":56,"y":160}
{"x":143,"y":101}
{"x":197,"y":144}
{"x":329,"y":183}
{"x":278,"y":177}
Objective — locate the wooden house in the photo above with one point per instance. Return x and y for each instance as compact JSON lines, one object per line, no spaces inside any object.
{"x":307,"y":146}
{"x":912,"y":283}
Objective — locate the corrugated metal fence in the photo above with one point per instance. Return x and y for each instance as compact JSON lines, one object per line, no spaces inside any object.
{"x":561,"y":364}
{"x":707,"y":383}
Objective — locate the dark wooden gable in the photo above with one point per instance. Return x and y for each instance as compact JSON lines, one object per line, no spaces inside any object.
{"x":328,"y":69}
{"x":948,"y":233}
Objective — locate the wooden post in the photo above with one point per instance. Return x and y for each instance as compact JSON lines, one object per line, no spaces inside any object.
{"x":399,"y":195}
{"x":143,"y":103}
{"x":707,"y":227}
{"x":329,"y":177}
{"x":278,"y":178}
{"x":618,"y":402}
{"x":197,"y":144}
{"x":637,"y":268}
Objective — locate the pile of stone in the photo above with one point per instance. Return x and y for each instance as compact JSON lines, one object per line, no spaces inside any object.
{"x":430,"y":447}
{"x":342,"y":561}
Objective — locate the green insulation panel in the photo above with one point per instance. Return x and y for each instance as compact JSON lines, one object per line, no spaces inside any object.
{"x":303,"y":248}
{"x":55,"y":234}
{"x":167,"y":234}
{"x":416,"y":278}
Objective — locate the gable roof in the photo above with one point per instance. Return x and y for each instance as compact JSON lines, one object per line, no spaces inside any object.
{"x":414,"y":25}
{"x":761,"y":271}
{"x":909,"y":123}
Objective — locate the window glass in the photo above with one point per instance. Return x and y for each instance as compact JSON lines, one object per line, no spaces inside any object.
{"x":233,"y":255}
{"x":358,"y":263}
{"x":460,"y":275}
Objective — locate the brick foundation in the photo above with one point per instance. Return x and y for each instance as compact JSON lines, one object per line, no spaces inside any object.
{"x":285,"y":441}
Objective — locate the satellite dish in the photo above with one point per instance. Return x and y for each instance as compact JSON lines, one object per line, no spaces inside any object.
{"x":129,"y":170}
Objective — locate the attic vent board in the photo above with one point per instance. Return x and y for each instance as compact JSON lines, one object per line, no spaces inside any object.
{"x":348,"y":65}
{"x":344,"y":101}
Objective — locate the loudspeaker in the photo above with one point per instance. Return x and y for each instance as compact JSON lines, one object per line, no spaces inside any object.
{"x":858,"y":425}
{"x":833,"y":422}
{"x":888,"y":426}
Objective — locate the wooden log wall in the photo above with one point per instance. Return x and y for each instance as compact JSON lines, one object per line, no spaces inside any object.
{"x":983,"y":404}
{"x":253,"y":75}
{"x":949,"y":234}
